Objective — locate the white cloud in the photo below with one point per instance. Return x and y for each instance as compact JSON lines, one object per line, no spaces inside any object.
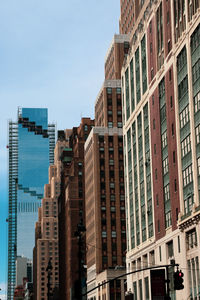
{"x":3,"y":287}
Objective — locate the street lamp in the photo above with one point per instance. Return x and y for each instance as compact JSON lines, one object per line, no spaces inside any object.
{"x":49,"y":269}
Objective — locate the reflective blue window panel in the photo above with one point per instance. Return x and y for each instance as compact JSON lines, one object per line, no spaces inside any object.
{"x":33,"y":163}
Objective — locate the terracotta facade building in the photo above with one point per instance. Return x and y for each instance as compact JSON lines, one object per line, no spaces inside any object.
{"x":160,"y":96}
{"x":72,"y":212}
{"x":104,"y":182}
{"x":105,"y":204}
{"x":46,"y":232}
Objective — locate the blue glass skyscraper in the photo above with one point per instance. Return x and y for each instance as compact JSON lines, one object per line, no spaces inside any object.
{"x":31,"y":147}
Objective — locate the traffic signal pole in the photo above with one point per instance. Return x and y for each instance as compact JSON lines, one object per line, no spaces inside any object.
{"x":167,"y":294}
{"x":136,"y":271}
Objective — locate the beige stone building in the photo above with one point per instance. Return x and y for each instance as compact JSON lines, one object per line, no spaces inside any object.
{"x":46,"y":232}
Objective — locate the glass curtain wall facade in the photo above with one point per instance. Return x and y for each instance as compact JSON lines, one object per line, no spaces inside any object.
{"x":31,"y":146}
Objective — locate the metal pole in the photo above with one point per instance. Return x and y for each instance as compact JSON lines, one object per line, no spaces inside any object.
{"x":132,"y":272}
{"x":167,"y":281}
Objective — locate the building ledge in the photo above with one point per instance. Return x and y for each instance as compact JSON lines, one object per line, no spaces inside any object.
{"x":192,"y":218}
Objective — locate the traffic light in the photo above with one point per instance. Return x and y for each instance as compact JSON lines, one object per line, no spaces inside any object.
{"x":178,"y":280}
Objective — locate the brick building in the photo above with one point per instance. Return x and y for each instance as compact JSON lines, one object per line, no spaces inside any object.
{"x":105,"y":204}
{"x":72,"y":212}
{"x":104,"y":181}
{"x":160,"y":94}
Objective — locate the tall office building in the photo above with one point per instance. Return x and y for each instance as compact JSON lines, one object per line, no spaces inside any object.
{"x":31,"y":142}
{"x":46,"y":232}
{"x":71,"y":205}
{"x":105,"y":209}
{"x":161,"y":125}
{"x":104,"y":183}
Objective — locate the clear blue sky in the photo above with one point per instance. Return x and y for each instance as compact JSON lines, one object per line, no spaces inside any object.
{"x":51,"y":55}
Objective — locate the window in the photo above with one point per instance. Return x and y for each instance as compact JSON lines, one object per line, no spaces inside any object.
{"x":167,"y":17}
{"x":169,"y":47}
{"x":135,"y":289}
{"x":153,"y":100}
{"x":140,"y":289}
{"x":172,"y":129}
{"x":170,"y":75}
{"x":165,"y":165}
{"x":160,"y":253}
{"x":154,"y":124}
{"x":191,"y":239}
{"x":152,"y":74}
{"x":164,"y":139}
{"x":150,"y":27}
{"x":197,"y":132}
{"x":198,"y":166}
{"x":197,"y":102}
{"x":152,"y":258}
{"x":187,"y":175}
{"x":174,"y":157}
{"x":166,"y":193}
{"x":170,"y":249}
{"x":109,"y":90}
{"x":144,"y":68}
{"x":183,"y":87}
{"x":154,"y":148}
{"x":157,"y":200}
{"x":114,"y":234}
{"x":188,"y":202}
{"x":149,"y":182}
{"x":158,"y":225}
{"x":184,"y":116}
{"x":195,"y":71}
{"x":159,"y":21}
{"x":127,"y":93}
{"x":118,"y":90}
{"x":176,"y":213}
{"x":171,"y":101}
{"x":137,"y":74}
{"x":163,"y":114}
{"x":168,"y":219}
{"x":175,"y":185}
{"x":186,"y":146}
{"x":179,"y":244}
{"x":111,"y":162}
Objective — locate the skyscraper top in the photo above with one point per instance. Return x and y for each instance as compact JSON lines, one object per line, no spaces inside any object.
{"x":37,"y":115}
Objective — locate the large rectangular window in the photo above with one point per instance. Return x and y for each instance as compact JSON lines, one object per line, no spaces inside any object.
{"x":127,"y":94}
{"x":186,"y":146}
{"x":132,"y":86}
{"x":137,"y":75}
{"x":160,"y":48}
{"x":184,"y":119}
{"x":144,"y":65}
{"x":187,"y":175}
